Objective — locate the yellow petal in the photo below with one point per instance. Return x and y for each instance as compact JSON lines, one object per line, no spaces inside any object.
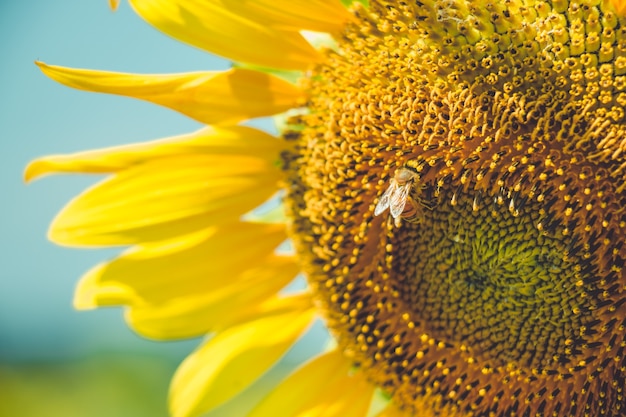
{"x":323,"y":387}
{"x":314,"y":15}
{"x":166,"y":197}
{"x":211,"y":139}
{"x":195,"y":315}
{"x":187,"y":265}
{"x":212,"y":26}
{"x":210,"y":97}
{"x":237,"y":356}
{"x":114,"y":4}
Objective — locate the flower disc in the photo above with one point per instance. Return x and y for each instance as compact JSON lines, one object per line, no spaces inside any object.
{"x":475,"y":274}
{"x":500,"y":290}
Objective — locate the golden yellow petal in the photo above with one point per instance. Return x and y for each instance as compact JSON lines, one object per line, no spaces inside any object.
{"x":114,"y":4}
{"x":237,"y":356}
{"x":323,"y":387}
{"x":194,"y":315}
{"x":211,"y":139}
{"x":211,"y":97}
{"x":212,"y":26}
{"x":314,"y":15}
{"x":166,"y":197}
{"x":158,"y":272}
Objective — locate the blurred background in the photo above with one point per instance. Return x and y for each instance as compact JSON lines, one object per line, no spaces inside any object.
{"x":55,"y":361}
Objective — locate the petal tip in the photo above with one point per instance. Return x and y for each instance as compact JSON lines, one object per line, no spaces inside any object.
{"x":81,"y":302}
{"x":85,"y":294}
{"x":60,"y":232}
{"x":57,"y":236}
{"x":34,"y":170}
{"x":94,"y":290}
{"x":42,"y":66}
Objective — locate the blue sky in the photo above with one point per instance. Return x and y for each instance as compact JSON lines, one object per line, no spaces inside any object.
{"x":39,"y":117}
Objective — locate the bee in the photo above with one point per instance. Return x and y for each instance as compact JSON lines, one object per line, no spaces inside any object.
{"x":397,"y":198}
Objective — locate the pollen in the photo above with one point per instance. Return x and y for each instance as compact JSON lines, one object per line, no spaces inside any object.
{"x":502,"y":293}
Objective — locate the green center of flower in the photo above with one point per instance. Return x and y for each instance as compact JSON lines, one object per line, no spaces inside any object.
{"x":477,"y":274}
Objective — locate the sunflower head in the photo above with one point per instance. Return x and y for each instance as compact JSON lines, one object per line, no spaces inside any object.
{"x":454,"y":187}
{"x":493,"y":131}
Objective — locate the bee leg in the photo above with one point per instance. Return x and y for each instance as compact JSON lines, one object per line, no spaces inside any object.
{"x":397,"y":222}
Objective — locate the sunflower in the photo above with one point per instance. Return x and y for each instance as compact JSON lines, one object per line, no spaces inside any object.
{"x":452,"y":176}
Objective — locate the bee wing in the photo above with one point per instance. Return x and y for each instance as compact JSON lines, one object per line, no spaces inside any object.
{"x":398,"y":199}
{"x":385,"y":200}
